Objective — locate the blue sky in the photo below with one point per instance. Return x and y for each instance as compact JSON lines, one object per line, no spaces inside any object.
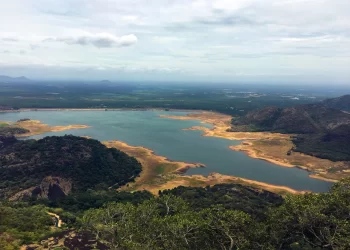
{"x":177,"y":40}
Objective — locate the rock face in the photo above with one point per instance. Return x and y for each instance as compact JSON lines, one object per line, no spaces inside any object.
{"x":50,"y":188}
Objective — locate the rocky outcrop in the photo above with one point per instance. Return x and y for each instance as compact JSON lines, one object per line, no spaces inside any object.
{"x":50,"y":188}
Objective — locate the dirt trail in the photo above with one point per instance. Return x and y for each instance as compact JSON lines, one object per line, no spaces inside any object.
{"x":58,"y":222}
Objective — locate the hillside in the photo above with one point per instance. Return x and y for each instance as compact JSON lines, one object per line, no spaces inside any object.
{"x":11,"y":130}
{"x":341,"y":103}
{"x":55,"y":166}
{"x":231,"y":196}
{"x":319,"y":131}
{"x":183,"y":218}
{"x":302,"y":119}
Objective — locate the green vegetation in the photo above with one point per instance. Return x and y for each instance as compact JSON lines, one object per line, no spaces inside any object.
{"x":322,"y":132}
{"x":326,"y":146}
{"x":310,"y":221}
{"x":23,"y":224}
{"x":3,"y":125}
{"x":76,"y":203}
{"x":80,"y":163}
{"x":234,"y":100}
{"x":7,"y":130}
{"x":230,"y":196}
{"x":302,"y":119}
{"x":227,"y":216}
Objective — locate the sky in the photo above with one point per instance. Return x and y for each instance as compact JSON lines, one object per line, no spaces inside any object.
{"x":177,"y":40}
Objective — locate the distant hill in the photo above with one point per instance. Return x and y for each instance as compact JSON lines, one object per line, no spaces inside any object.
{"x":55,"y":166}
{"x":302,"y":119}
{"x":341,"y":103}
{"x":13,"y":79}
{"x":320,"y":131}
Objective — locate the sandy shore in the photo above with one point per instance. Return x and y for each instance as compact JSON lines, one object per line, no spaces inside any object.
{"x":142,"y":154}
{"x":247,"y":147}
{"x":221,"y":123}
{"x":156,"y":170}
{"x":272,"y":147}
{"x":160,"y":173}
{"x":36,"y":127}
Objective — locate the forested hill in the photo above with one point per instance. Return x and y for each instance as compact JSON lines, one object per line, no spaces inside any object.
{"x":55,"y":166}
{"x":321,"y":131}
{"x":302,"y":119}
{"x":341,"y":103}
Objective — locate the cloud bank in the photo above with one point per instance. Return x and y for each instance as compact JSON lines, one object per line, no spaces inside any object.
{"x":100,"y":40}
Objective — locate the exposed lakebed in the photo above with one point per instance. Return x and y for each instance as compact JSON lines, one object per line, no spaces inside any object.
{"x":166,"y":137}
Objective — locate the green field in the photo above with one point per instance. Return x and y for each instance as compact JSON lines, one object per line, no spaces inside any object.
{"x":234,"y":100}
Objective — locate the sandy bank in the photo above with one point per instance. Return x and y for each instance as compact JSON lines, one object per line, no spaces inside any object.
{"x":221,"y":123}
{"x":272,"y":147}
{"x":156,"y":170}
{"x":36,"y":127}
{"x":159,"y":173}
{"x":252,"y":153}
{"x":145,"y":154}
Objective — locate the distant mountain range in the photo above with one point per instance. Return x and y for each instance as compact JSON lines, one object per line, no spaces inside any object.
{"x":13,"y":79}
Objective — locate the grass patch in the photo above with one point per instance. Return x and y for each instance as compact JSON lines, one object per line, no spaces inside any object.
{"x":2,"y":125}
{"x":165,"y":168}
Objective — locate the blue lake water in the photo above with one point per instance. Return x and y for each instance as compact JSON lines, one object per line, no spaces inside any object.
{"x":166,"y":138}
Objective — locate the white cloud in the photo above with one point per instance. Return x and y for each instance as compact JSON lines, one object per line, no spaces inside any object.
{"x":100,"y":40}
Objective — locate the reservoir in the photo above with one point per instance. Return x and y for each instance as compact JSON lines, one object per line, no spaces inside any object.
{"x":166,"y":137}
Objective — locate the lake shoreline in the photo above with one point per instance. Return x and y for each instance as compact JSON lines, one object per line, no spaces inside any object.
{"x":166,"y":173}
{"x":223,"y":123}
{"x":35,"y":127}
{"x":174,"y":176}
